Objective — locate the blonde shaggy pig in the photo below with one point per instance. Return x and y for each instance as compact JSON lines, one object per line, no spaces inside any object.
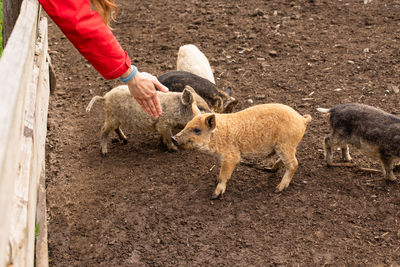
{"x":122,"y":109}
{"x":263,"y":129}
{"x":191,"y":59}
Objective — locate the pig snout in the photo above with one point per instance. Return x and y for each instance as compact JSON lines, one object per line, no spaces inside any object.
{"x":180,"y":140}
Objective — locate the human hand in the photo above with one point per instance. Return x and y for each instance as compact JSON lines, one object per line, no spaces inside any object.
{"x":143,"y":89}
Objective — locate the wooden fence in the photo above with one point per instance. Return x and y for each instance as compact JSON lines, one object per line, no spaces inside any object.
{"x":24,"y":96}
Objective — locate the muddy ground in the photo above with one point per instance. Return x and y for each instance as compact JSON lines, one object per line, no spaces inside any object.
{"x":143,"y":206}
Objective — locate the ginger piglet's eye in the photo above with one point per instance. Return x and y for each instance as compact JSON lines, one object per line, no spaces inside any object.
{"x":196,"y":131}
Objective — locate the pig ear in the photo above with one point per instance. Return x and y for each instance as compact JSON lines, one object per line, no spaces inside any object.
{"x":210,"y":121}
{"x":187,"y":97}
{"x":189,"y":88}
{"x":228,"y":106}
{"x":220,"y":104}
{"x":195,"y":109}
{"x":228,"y":90}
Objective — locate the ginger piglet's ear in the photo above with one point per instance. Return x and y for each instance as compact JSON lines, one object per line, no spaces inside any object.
{"x":210,"y":121}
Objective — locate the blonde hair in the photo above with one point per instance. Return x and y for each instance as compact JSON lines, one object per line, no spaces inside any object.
{"x":106,"y":8}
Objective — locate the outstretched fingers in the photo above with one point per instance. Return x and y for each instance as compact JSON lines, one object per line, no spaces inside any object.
{"x":143,"y":106}
{"x":157,"y":104}
{"x":160,"y":86}
{"x":144,"y":89}
{"x":151,"y":107}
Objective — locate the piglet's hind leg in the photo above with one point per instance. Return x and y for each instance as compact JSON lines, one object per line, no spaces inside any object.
{"x":107,"y":128}
{"x":277,"y":165}
{"x":288,"y":157}
{"x":121,"y":135}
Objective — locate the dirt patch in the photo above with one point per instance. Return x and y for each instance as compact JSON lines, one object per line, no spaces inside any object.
{"x":143,"y":206}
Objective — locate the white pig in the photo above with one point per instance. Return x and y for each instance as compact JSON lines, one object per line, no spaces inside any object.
{"x":191,"y":59}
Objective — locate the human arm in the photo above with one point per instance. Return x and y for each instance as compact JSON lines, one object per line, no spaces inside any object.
{"x":91,"y":37}
{"x":95,"y":41}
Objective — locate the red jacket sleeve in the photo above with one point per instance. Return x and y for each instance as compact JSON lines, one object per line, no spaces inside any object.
{"x":87,"y":32}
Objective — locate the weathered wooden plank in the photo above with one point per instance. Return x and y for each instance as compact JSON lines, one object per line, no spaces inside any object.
{"x":19,"y":233}
{"x":16,"y":66}
{"x":42,"y":257}
{"x":11,"y":10}
{"x":32,"y":165}
{"x":43,"y":92}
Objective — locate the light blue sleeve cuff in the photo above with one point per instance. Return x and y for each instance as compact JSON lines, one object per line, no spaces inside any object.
{"x":130,"y":77}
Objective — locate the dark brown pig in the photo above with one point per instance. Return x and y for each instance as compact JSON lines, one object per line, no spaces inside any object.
{"x":374,"y":132}
{"x":219,"y":101}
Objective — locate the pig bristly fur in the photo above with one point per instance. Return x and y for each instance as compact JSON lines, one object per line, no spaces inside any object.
{"x":373,"y":131}
{"x":121,"y":109}
{"x":263,"y":129}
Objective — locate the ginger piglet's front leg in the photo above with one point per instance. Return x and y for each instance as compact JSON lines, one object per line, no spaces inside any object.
{"x":227,"y":166}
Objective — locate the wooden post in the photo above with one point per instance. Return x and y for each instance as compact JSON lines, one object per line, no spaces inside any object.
{"x":11,"y":9}
{"x":41,"y":111}
{"x":24,"y":73}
